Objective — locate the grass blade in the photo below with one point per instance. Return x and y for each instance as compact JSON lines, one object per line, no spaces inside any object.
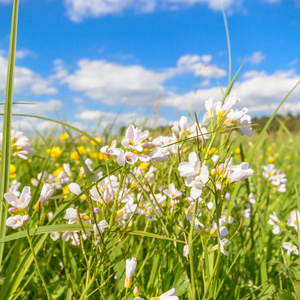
{"x":6,"y":138}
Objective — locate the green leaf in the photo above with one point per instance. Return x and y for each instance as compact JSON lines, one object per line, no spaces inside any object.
{"x":6,"y":136}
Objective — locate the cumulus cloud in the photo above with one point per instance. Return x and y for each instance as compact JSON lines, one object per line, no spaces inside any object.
{"x":116,"y":84}
{"x":120,"y":119}
{"x":199,"y":65}
{"x":212,"y":4}
{"x":272,"y":1}
{"x":256,"y":58}
{"x":79,"y":9}
{"x":258,"y":91}
{"x":22,"y":53}
{"x":42,"y":108}
{"x":25,"y":81}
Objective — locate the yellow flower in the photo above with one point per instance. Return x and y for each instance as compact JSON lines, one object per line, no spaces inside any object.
{"x":144,"y":166}
{"x":98,"y":139}
{"x":65,"y":191}
{"x":84,"y":138}
{"x":55,"y":151}
{"x":94,"y":155}
{"x":63,"y":136}
{"x":270,"y":148}
{"x":237,"y":150}
{"x":213,"y":150}
{"x":271,"y":159}
{"x":57,"y":171}
{"x":12,"y":171}
{"x":102,"y":156}
{"x":81,"y":150}
{"x":74,"y":155}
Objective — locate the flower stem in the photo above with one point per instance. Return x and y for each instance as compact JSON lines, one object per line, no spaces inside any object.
{"x":36,"y":262}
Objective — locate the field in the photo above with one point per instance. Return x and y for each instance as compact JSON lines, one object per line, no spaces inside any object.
{"x":204,"y":209}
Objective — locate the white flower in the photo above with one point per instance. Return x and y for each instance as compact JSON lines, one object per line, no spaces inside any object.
{"x":200,"y":179}
{"x":159,"y":154}
{"x":15,"y":185}
{"x":294,"y":219}
{"x":172,"y":192}
{"x":130,"y":268}
{"x":239,"y":172}
{"x":186,"y":251}
{"x":100,"y":226}
{"x":223,"y":243}
{"x":71,"y":215}
{"x":67,"y":169}
{"x":274,"y":221}
{"x":290,"y":247}
{"x":46,"y":193}
{"x":223,"y":229}
{"x":210,"y":106}
{"x":22,"y":202}
{"x":110,"y":151}
{"x":54,"y":236}
{"x":190,"y":168}
{"x":134,"y":137}
{"x":14,"y":222}
{"x":74,"y":188}
{"x":169,"y":295}
{"x":223,"y":109}
{"x":127,"y":157}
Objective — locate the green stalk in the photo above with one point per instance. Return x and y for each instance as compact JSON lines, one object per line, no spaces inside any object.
{"x":37,"y":264}
{"x":113,"y":213}
{"x":190,"y":241}
{"x":6,"y":138}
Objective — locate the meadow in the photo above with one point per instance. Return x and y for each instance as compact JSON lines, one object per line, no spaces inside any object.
{"x":207,"y":208}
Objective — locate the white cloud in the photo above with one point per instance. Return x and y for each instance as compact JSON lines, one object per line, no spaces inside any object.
{"x":25,"y":81}
{"x":20,"y":54}
{"x":293,"y":108}
{"x":212,"y":4}
{"x":256,"y":58}
{"x":116,"y":84}
{"x":272,"y":1}
{"x":293,"y":62}
{"x":78,"y":100}
{"x":41,"y":109}
{"x":120,"y":119}
{"x":79,"y":9}
{"x":199,"y":65}
{"x":257,"y":90}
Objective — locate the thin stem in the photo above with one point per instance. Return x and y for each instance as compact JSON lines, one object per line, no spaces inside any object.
{"x":190,"y":240}
{"x":36,"y":262}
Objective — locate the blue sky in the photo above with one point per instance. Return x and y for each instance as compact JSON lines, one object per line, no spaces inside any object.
{"x":135,"y":58}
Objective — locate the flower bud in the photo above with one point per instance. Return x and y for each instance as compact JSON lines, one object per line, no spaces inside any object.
{"x":219,"y":186}
{"x":25,"y":218}
{"x":130,"y":268}
{"x":221,"y":167}
{"x":136,"y":292}
{"x":97,"y":210}
{"x":12,"y":210}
